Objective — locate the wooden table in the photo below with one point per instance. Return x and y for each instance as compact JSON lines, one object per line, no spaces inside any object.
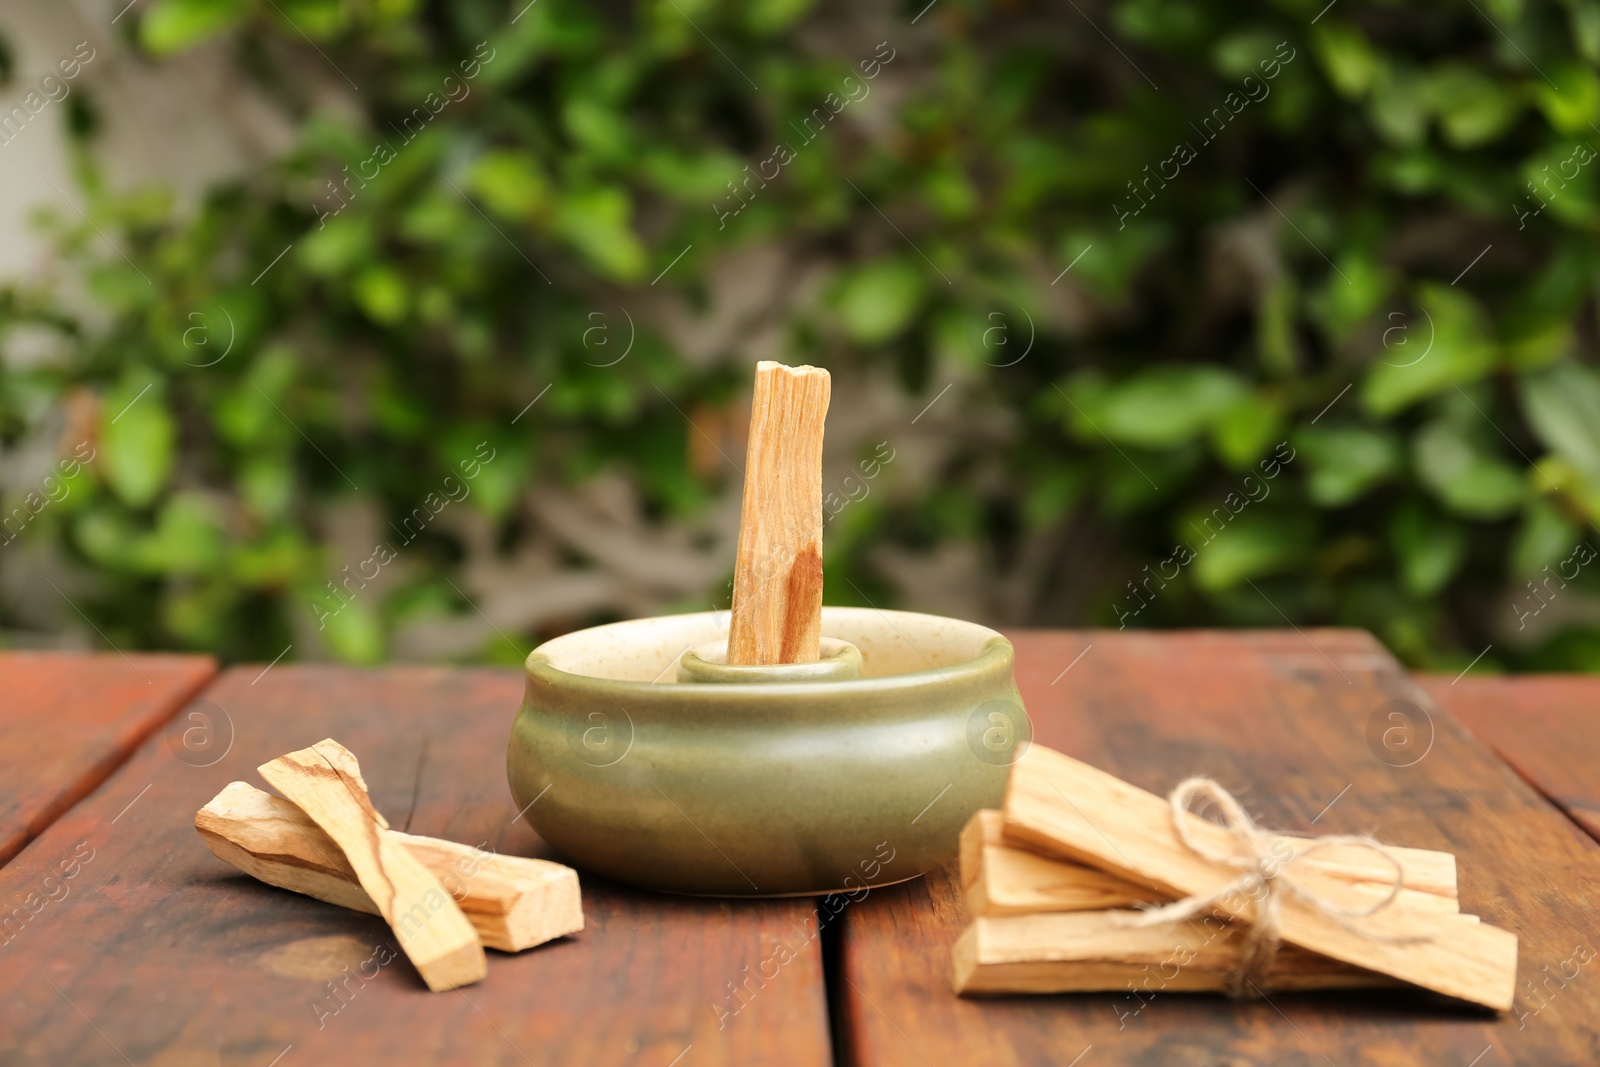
{"x":125,"y":940}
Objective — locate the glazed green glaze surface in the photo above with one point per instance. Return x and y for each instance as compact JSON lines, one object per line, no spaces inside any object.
{"x":762,"y":788}
{"x":839,"y":661}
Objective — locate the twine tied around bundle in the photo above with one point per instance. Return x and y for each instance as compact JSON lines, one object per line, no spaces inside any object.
{"x":1256,"y":854}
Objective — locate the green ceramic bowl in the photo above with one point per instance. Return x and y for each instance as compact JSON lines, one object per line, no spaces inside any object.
{"x":817,"y":782}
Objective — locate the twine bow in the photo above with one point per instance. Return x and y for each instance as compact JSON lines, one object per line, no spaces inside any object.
{"x":1257,"y":854}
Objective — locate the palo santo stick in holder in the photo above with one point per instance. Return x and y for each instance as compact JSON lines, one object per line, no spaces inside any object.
{"x":1069,"y":808}
{"x":325,"y":782}
{"x":513,"y":902}
{"x":777,"y":577}
{"x":1087,"y":951}
{"x":999,"y":879}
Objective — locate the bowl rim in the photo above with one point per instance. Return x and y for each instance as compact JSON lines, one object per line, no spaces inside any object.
{"x":996,"y":654}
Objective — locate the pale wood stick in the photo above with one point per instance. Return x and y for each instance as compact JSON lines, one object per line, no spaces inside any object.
{"x":777,"y":577}
{"x":1003,"y":880}
{"x":513,"y":902}
{"x":325,"y":782}
{"x":1086,"y":951}
{"x":1071,"y":809}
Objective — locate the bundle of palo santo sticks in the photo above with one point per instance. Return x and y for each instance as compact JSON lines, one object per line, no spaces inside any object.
{"x":445,"y":901}
{"x":1061,"y":884}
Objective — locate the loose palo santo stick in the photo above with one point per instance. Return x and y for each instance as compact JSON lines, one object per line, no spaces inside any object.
{"x":513,"y":902}
{"x":325,"y":781}
{"x":777,"y":577}
{"x":1124,"y":830}
{"x":999,"y":879}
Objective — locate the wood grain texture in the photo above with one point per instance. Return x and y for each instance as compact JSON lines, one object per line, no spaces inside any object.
{"x":69,"y":720}
{"x":1281,"y":720}
{"x":777,"y":576}
{"x":1546,"y":726}
{"x":514,"y":902}
{"x":177,"y":958}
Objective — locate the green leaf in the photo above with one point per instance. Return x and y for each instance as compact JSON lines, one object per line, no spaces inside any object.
{"x":769,"y":17}
{"x":596,"y":127}
{"x":1558,"y":475}
{"x":266,"y":482}
{"x":1161,"y":407}
{"x":1242,"y":433}
{"x":595,"y":221}
{"x":1052,"y":495}
{"x":1106,"y":263}
{"x":1562,"y":404}
{"x":492,"y":465}
{"x":1353,"y":294}
{"x":1132,"y":483}
{"x":317,"y":20}
{"x":1399,"y":106}
{"x":1430,"y":548}
{"x":697,"y":178}
{"x":1536,"y":345}
{"x":188,"y":537}
{"x":510,"y":182}
{"x":1544,"y":536}
{"x":272,"y":562}
{"x":875,"y":302}
{"x":1573,"y":102}
{"x":1346,"y":56}
{"x":1470,"y":480}
{"x":1347,"y":461}
{"x":381,"y":293}
{"x":354,"y":633}
{"x":172,"y":25}
{"x":244,"y":415}
{"x":1275,"y":327}
{"x":1447,"y":344}
{"x":1250,"y":545}
{"x":1239,"y":54}
{"x":1473,"y":108}
{"x":951,"y":192}
{"x":1161,"y":22}
{"x":336,"y":246}
{"x":1586,"y":28}
{"x":138,"y":437}
{"x":1560,"y":178}
{"x":107,"y":536}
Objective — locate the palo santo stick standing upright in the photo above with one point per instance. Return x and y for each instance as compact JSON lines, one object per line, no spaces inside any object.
{"x":777,"y":577}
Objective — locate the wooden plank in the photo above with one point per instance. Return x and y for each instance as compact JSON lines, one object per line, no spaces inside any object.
{"x":1282,"y":720}
{"x":67,"y":720}
{"x":173,"y":957}
{"x":1547,"y":726}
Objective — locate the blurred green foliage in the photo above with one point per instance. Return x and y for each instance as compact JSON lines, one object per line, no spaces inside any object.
{"x":1380,"y":250}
